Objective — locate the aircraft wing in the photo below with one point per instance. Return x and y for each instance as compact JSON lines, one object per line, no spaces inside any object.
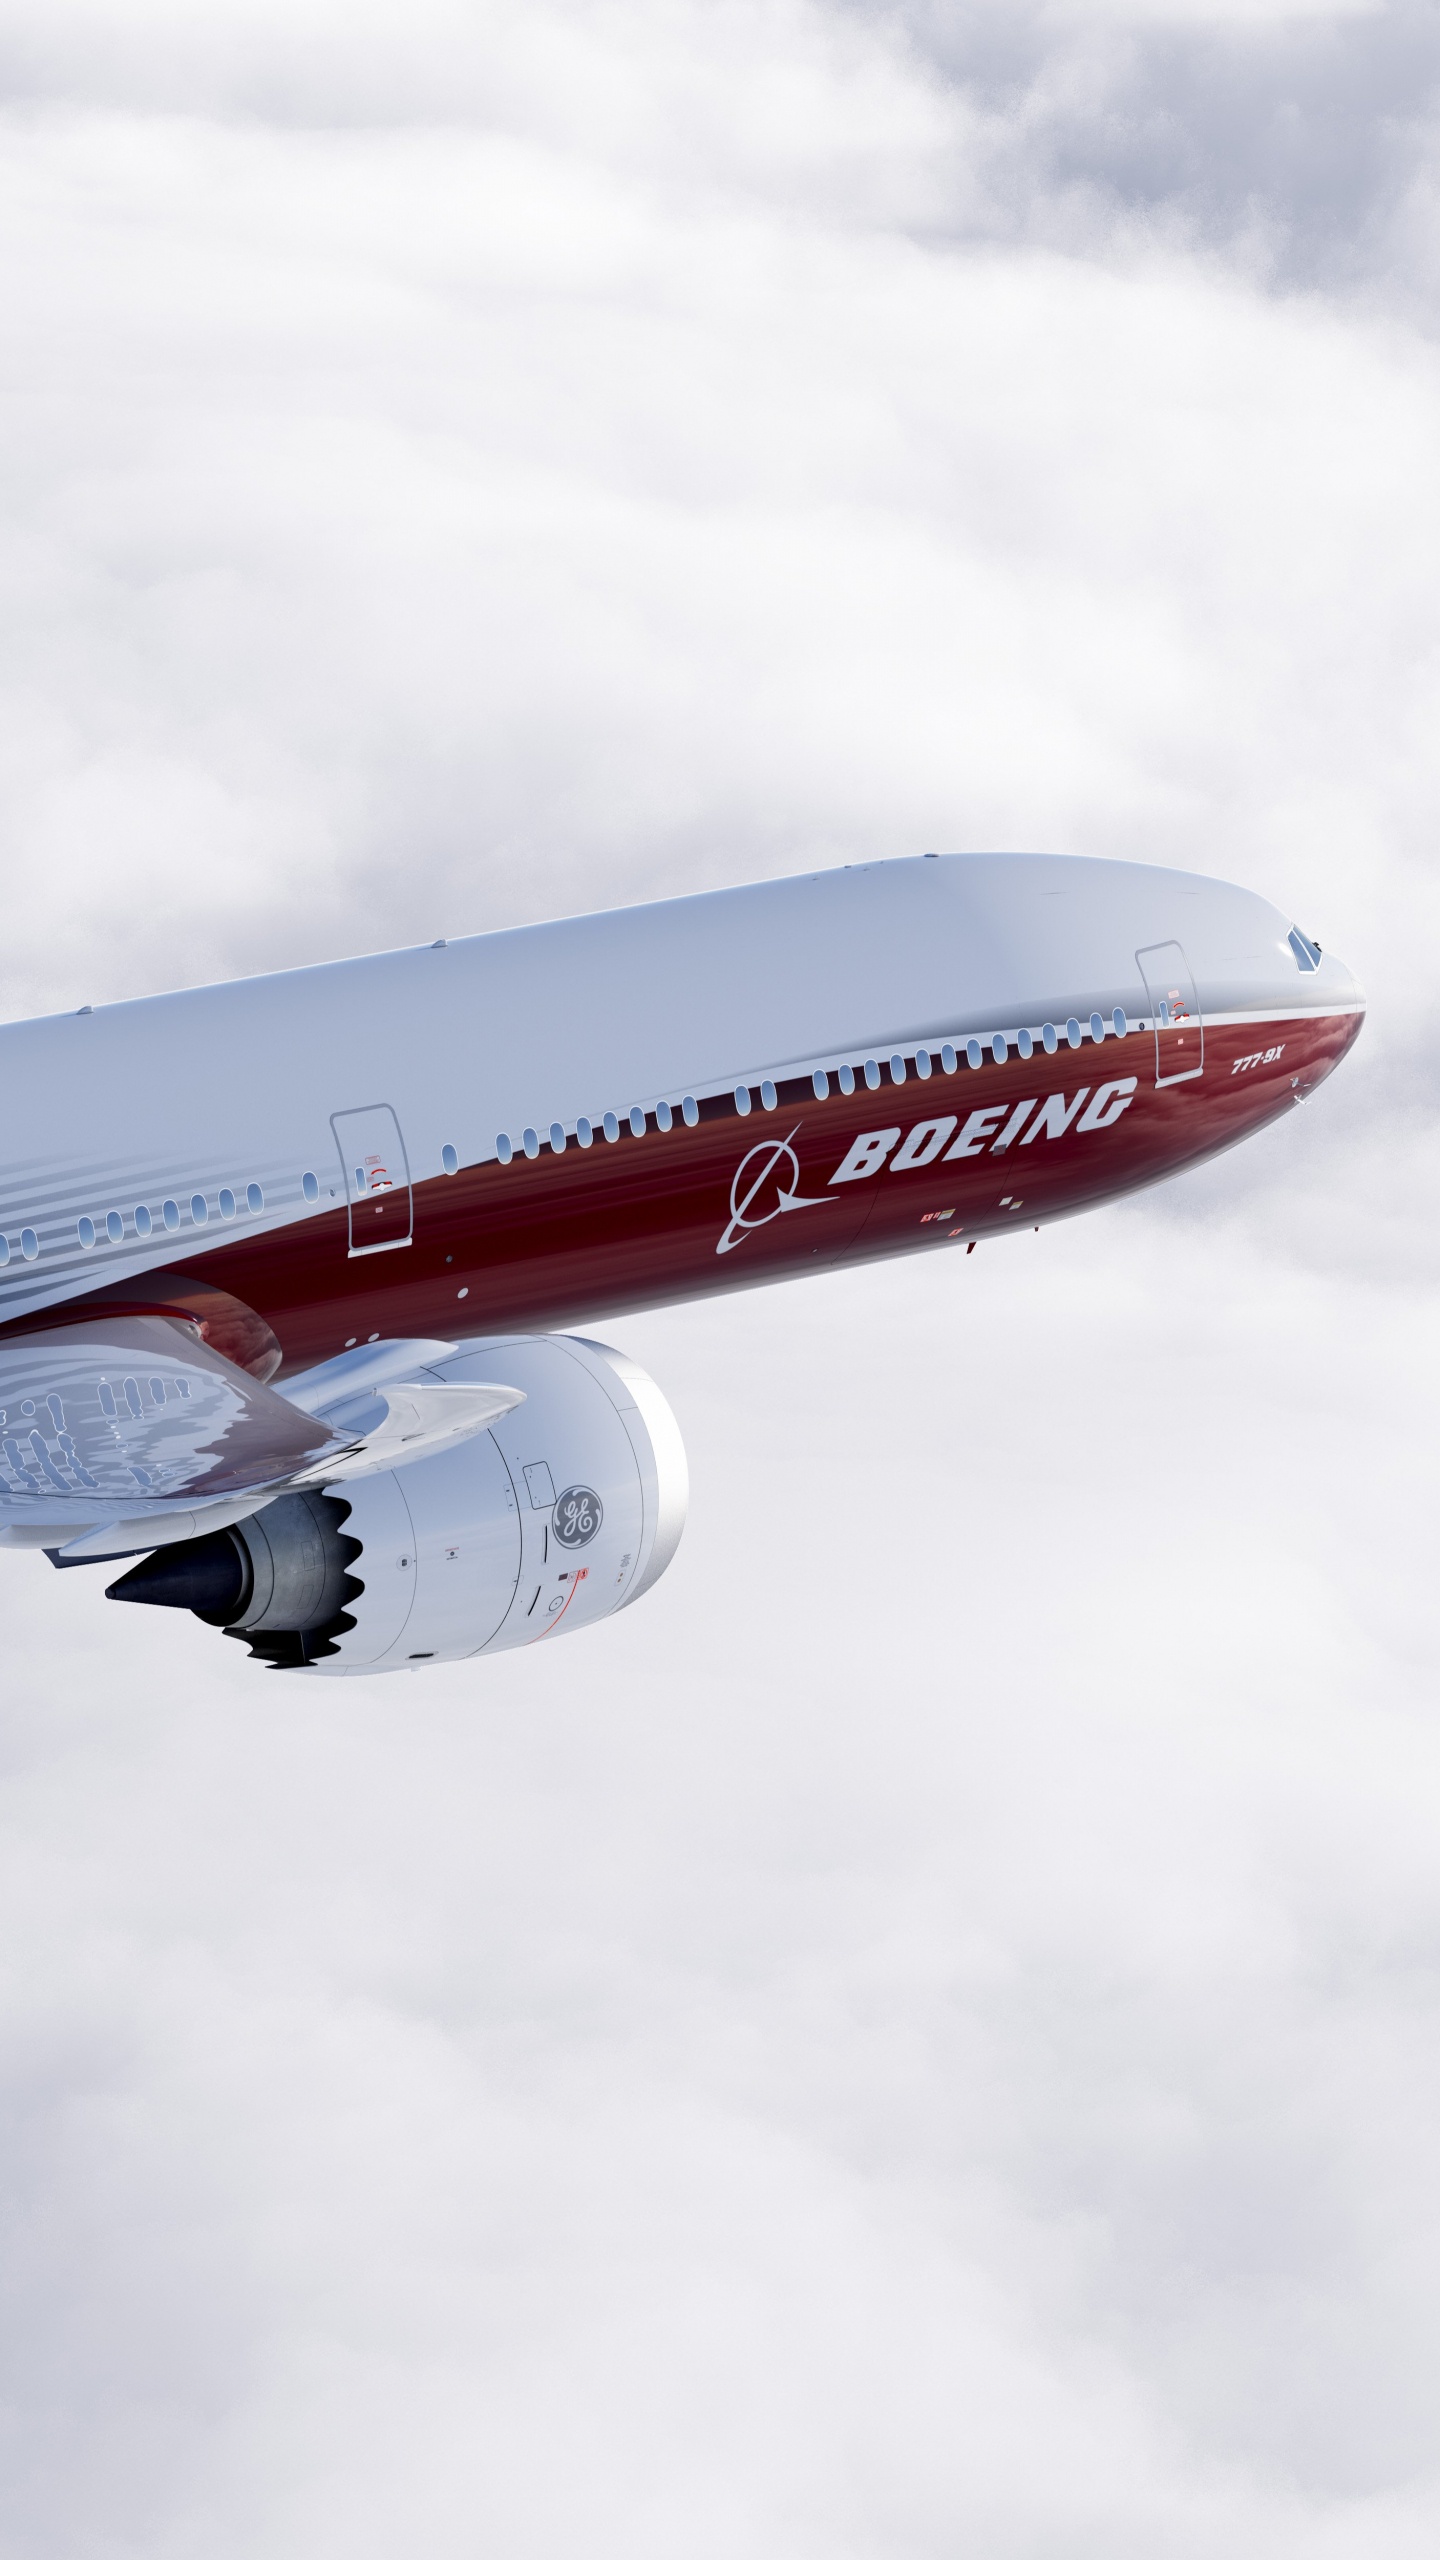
{"x":132,"y":1426}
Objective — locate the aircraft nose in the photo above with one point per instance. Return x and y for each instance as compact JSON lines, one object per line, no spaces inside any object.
{"x":1333,"y":982}
{"x":1326,"y":1009}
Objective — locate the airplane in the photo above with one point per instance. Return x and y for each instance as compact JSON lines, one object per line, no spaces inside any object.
{"x":297,"y":1272}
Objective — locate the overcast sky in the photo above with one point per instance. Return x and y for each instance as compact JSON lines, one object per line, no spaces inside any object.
{"x":922,"y":2039}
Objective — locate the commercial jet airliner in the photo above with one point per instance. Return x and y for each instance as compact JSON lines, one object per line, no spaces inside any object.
{"x":292,"y":1271}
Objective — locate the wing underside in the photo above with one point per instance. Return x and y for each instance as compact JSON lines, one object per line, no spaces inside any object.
{"x":133,"y":1414}
{"x":127,"y":1431}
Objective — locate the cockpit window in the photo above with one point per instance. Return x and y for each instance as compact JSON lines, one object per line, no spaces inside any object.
{"x":1307,"y":953}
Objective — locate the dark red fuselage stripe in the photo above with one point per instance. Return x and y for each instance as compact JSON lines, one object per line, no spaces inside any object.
{"x":561,"y":1242}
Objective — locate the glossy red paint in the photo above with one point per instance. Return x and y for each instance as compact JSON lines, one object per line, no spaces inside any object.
{"x":559,"y":1242}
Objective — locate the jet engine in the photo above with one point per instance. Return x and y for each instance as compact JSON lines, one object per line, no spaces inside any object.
{"x":564,"y":1510}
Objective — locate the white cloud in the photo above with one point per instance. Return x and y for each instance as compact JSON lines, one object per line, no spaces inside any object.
{"x":918,"y":2038}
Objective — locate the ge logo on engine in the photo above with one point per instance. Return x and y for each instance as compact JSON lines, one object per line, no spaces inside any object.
{"x":577,"y":1516}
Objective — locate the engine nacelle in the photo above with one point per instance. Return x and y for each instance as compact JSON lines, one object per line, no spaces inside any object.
{"x":562,"y":1512}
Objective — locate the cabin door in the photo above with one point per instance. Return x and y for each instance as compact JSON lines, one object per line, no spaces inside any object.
{"x":1175,"y":1012}
{"x":377,"y":1178}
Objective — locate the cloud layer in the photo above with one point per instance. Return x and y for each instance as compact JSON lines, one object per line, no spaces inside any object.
{"x":920,"y":2037}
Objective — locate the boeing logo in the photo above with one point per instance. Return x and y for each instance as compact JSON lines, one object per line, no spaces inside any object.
{"x":983,"y":1133}
{"x":767,"y":1180}
{"x":764,"y":1188}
